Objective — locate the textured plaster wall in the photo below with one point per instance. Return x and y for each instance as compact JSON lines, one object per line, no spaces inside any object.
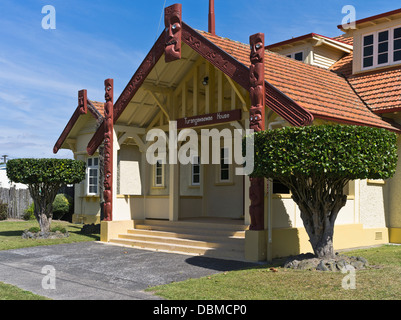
{"x":393,"y":190}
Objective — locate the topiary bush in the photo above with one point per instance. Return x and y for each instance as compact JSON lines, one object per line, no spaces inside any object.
{"x":317,"y":162}
{"x":44,"y":178}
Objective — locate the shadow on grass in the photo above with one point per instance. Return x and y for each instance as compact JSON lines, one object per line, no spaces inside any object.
{"x":232,"y":265}
{"x":15,"y":233}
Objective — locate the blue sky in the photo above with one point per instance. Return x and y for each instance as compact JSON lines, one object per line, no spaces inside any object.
{"x":41,"y":71}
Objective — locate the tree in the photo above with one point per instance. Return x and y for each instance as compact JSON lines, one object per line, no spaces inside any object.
{"x":317,"y":162}
{"x":44,"y":178}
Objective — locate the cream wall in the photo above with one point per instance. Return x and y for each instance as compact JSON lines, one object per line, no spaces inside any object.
{"x":393,"y":188}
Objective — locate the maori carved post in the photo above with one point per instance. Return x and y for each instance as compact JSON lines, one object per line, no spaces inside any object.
{"x":173,"y":23}
{"x":83,"y":101}
{"x":257,"y":123}
{"x":108,"y":150}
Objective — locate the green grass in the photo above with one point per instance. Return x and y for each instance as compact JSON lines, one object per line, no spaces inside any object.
{"x":11,"y":231}
{"x":8,"y":292}
{"x":10,"y":238}
{"x":380,"y":282}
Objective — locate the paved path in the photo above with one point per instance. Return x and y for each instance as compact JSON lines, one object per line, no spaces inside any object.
{"x":96,"y":271}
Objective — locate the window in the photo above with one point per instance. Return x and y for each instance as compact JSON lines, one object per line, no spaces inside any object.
{"x":159,"y":174}
{"x":93,"y":176}
{"x":397,"y":45}
{"x":195,"y":172}
{"x":297,"y":56}
{"x":224,"y":165}
{"x":368,"y":51}
{"x":381,"y":48}
{"x":279,"y":188}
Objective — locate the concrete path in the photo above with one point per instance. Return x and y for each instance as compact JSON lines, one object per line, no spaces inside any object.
{"x":96,"y":271}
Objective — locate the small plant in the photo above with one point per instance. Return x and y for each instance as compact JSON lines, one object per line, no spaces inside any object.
{"x":59,"y":228}
{"x":29,"y":214}
{"x":3,"y":211}
{"x":34,"y":229}
{"x":62,"y":205}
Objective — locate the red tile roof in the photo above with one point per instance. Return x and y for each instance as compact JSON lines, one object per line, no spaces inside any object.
{"x":379,"y":89}
{"x":98,"y":106}
{"x":322,"y":92}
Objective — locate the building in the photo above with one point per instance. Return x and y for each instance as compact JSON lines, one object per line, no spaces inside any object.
{"x":204,"y":84}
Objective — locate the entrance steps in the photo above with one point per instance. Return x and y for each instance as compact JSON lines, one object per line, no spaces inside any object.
{"x":224,"y":239}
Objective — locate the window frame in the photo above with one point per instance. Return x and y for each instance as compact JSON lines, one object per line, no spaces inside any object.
{"x":89,"y":168}
{"x":156,"y":175}
{"x":227,"y":167}
{"x":376,"y":43}
{"x":193,"y":173}
{"x":292,"y":56}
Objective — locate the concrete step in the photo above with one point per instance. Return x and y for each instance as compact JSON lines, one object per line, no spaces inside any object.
{"x":192,"y":228}
{"x":187,"y":234}
{"x":181,"y":249}
{"x":185,"y":239}
{"x":212,"y":239}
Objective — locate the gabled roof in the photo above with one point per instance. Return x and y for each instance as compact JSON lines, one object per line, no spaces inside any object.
{"x":333,"y":42}
{"x":375,"y":19}
{"x":296,"y":91}
{"x":236,"y":69}
{"x":322,"y":92}
{"x":95,"y":108}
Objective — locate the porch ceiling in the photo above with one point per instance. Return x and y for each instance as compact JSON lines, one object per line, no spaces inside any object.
{"x":162,"y":80}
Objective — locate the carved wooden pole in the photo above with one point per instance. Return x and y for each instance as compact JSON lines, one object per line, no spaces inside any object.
{"x":257,"y":123}
{"x":108,"y":150}
{"x":83,"y":101}
{"x":173,"y":23}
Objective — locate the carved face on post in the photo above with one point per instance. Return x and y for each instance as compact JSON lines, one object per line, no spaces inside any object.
{"x":256,"y":119}
{"x":108,"y":87}
{"x":257,"y":42}
{"x":172,"y":21}
{"x":83,"y":101}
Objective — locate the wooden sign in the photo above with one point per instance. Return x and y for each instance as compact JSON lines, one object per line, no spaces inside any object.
{"x":209,"y":119}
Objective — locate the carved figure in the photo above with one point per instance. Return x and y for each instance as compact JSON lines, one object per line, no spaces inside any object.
{"x":173,"y":22}
{"x":257,"y":82}
{"x":257,"y":123}
{"x":108,"y":149}
{"x":83,"y":101}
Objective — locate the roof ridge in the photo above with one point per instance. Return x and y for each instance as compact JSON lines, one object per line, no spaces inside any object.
{"x":269,"y":51}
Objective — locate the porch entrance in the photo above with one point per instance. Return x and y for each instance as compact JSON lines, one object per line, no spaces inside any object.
{"x":213,"y":198}
{"x":212,"y":237}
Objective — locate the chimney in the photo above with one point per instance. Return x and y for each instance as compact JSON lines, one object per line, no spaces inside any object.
{"x":212,"y":18}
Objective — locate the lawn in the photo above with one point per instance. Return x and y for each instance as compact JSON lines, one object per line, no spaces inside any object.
{"x":10,"y":238}
{"x":11,"y":231}
{"x":382,"y":281}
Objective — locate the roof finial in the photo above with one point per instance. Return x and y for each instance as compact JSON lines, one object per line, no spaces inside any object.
{"x":212,"y":18}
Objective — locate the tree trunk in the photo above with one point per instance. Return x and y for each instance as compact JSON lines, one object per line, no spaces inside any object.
{"x":319,"y":205}
{"x":44,"y":222}
{"x":43,"y":197}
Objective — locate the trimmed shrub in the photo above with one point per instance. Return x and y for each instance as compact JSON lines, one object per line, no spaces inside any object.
{"x":316,"y":162}
{"x":44,"y":178}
